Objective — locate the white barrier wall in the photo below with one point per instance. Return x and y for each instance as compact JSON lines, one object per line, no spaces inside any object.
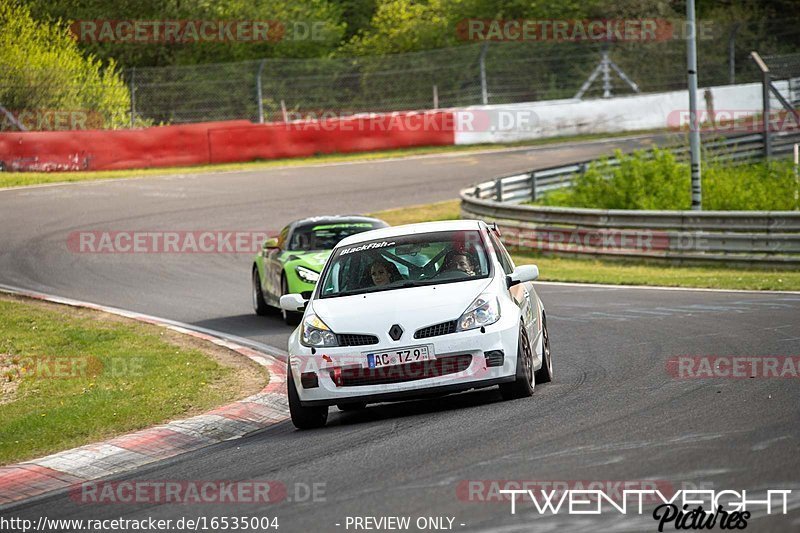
{"x":555,"y":118}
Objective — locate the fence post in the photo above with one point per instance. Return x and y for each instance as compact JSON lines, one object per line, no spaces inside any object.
{"x":533,"y":186}
{"x":498,"y":189}
{"x":258,"y":92}
{"x":435,"y":97}
{"x":796,"y":173}
{"x":132,"y":90}
{"x":765,"y":99}
{"x":484,"y":87}
{"x":284,"y":114}
{"x":732,"y":53}
{"x":765,"y":118}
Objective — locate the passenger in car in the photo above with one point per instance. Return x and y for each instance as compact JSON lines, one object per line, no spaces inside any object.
{"x":383,"y":272}
{"x":459,"y":261}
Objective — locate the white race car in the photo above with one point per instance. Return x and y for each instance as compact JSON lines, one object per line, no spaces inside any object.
{"x":414,"y":311}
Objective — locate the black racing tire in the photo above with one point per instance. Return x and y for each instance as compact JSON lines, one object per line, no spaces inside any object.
{"x":259,"y":304}
{"x":304,"y":417}
{"x":348,"y":407}
{"x":522,"y":386}
{"x":291,"y":318}
{"x":545,"y":374}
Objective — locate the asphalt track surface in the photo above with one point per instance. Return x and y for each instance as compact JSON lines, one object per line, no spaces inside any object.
{"x":613,"y":413}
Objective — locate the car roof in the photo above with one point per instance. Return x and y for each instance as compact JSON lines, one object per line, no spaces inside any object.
{"x":334,"y":219}
{"x":411,"y":229}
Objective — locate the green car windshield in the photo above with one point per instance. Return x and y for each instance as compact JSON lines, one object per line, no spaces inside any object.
{"x":326,"y":236}
{"x":405,"y":261}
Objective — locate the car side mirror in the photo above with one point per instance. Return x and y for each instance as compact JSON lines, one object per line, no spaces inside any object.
{"x":293,"y":302}
{"x":522,"y":274}
{"x":270,"y":243}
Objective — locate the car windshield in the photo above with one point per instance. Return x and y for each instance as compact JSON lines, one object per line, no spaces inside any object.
{"x":405,"y":261}
{"x":327,"y":236}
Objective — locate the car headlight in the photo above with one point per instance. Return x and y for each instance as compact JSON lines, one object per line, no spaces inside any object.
{"x":306,"y":274}
{"x":317,"y":334}
{"x":485,"y":310}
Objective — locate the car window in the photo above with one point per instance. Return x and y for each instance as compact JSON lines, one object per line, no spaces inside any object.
{"x":501,"y":254}
{"x":326,"y":236}
{"x":405,"y":261}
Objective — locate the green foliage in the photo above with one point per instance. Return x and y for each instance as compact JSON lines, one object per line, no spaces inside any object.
{"x":295,"y":16}
{"x":43,"y":69}
{"x":655,"y":180}
{"x":761,"y":187}
{"x":411,"y":25}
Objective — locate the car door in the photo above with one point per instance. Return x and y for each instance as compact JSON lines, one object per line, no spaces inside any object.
{"x":273,"y":267}
{"x":522,"y":293}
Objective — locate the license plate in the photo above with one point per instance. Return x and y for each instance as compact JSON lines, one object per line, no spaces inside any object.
{"x":402,"y":356}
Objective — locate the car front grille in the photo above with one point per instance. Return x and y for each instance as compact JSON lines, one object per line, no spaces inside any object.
{"x":442,"y":366}
{"x":353,"y":339}
{"x":435,"y":330}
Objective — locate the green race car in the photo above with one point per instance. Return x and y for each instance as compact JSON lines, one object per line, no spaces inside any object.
{"x":291,"y":262}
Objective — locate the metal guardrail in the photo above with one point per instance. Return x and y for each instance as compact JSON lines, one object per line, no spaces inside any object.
{"x":529,"y":186}
{"x":766,"y":237}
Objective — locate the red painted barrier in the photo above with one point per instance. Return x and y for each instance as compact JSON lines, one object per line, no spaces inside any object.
{"x":163,"y":146}
{"x":217,"y":142}
{"x":353,"y":134}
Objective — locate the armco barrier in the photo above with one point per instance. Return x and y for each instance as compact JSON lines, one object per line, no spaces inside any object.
{"x":528,"y":186}
{"x":215,"y":142}
{"x":714,"y":236}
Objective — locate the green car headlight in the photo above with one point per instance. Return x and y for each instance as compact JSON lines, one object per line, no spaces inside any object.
{"x":317,"y":334}
{"x":306,"y":274}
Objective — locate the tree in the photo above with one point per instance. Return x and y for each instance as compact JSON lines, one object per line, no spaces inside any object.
{"x":43,"y":70}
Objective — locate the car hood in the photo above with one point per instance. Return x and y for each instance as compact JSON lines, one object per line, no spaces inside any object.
{"x":313,"y":260}
{"x":411,"y":308}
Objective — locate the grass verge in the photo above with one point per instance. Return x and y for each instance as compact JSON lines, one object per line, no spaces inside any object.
{"x":19,"y":179}
{"x":73,"y":376}
{"x":617,"y":272}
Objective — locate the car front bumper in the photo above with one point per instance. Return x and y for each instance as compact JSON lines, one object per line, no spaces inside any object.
{"x":450,"y":350}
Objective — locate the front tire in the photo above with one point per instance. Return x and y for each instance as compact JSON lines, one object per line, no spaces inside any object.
{"x":259,"y":304}
{"x":522,"y":387}
{"x":304,"y":417}
{"x":545,"y":374}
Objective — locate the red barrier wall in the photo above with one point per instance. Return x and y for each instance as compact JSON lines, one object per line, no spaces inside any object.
{"x":354,"y":134}
{"x":216,"y":142}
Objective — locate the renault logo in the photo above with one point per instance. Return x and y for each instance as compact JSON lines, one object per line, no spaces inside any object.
{"x":396,"y":332}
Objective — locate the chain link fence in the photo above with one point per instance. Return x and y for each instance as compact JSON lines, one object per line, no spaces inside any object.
{"x":470,"y":74}
{"x":475,"y":73}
